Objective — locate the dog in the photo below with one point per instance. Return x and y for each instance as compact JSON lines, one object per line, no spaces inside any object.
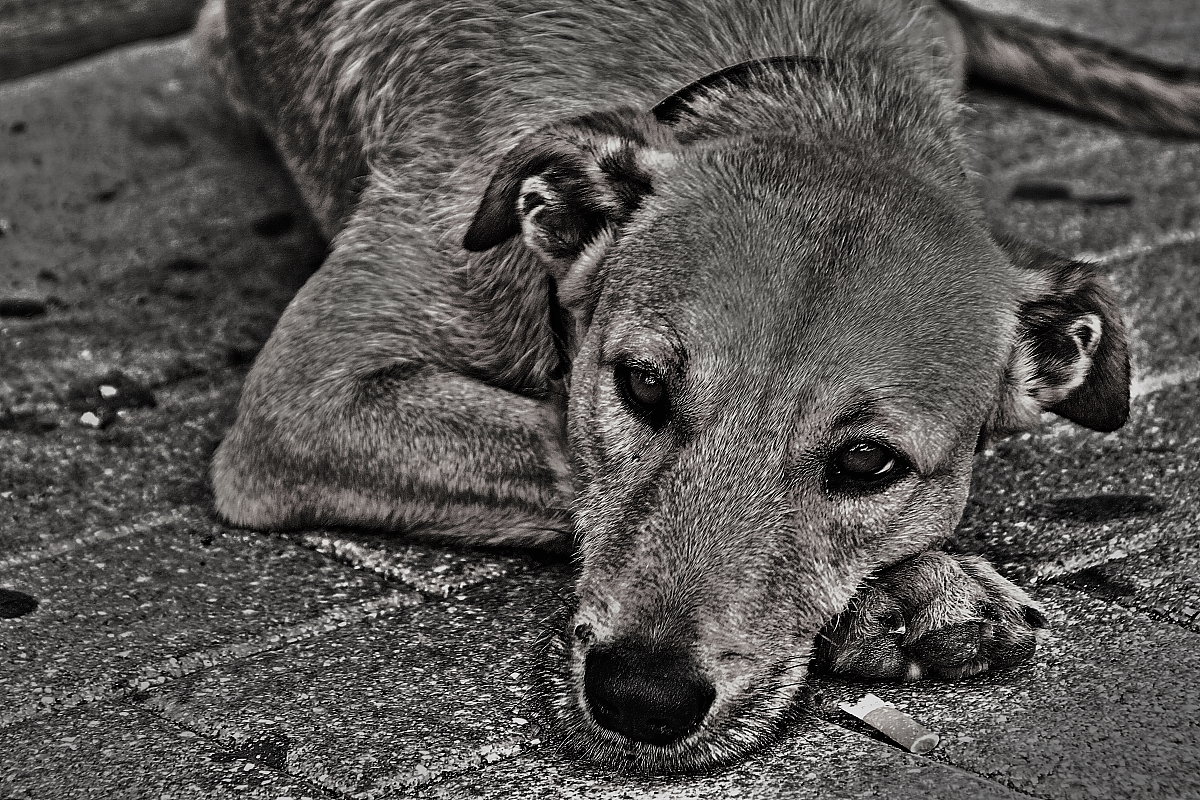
{"x":704,"y":295}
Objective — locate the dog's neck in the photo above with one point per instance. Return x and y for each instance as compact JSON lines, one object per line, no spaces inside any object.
{"x":892,"y":112}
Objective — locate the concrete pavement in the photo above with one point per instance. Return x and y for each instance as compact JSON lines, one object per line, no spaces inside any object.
{"x":148,"y":244}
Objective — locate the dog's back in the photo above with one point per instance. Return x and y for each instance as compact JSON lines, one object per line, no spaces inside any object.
{"x":445,"y":86}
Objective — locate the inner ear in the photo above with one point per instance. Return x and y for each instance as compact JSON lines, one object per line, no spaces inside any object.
{"x":1070,"y":356}
{"x":562,"y":186}
{"x":1086,"y":331}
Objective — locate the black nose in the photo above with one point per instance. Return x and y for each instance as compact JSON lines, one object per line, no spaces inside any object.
{"x":653,"y":695}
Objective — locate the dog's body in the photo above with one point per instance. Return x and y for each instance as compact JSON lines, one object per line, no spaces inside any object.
{"x":772,"y":307}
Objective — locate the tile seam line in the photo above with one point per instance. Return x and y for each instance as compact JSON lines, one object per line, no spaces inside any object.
{"x":1139,"y":246}
{"x":385,"y":788}
{"x":342,"y":552}
{"x":1149,"y":614}
{"x":174,"y":668}
{"x":937,"y":762}
{"x":1019,"y":171}
{"x":226,"y":734}
{"x":80,"y":62}
{"x":218,"y":743}
{"x":145,"y":524}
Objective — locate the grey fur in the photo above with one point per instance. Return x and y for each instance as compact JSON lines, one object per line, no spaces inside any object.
{"x":799,"y":257}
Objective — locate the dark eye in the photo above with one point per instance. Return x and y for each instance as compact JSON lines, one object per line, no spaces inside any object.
{"x":645,"y":392}
{"x":864,"y":467}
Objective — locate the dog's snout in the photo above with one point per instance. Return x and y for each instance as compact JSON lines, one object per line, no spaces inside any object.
{"x":648,"y":694}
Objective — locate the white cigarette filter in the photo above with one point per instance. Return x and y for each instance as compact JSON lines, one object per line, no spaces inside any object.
{"x":892,"y":723}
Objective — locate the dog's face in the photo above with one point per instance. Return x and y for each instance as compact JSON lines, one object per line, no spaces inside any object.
{"x":786,"y":356}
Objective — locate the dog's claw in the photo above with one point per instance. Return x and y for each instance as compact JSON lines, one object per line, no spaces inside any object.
{"x":935,"y":615}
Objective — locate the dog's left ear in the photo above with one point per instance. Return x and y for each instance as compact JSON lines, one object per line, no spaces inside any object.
{"x":1070,"y":354}
{"x":565,"y":185}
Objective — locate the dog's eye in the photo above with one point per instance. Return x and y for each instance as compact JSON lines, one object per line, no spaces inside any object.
{"x":645,"y":392}
{"x":865,"y":467}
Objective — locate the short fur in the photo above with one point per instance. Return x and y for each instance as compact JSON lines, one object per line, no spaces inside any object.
{"x":797,"y":256}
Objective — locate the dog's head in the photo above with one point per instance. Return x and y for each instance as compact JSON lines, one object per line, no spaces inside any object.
{"x":784,"y":356}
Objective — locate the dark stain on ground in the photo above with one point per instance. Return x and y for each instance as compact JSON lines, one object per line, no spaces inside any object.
{"x":15,"y":604}
{"x":1097,"y":582}
{"x":185,"y":264}
{"x":240,"y":353}
{"x":156,"y":132}
{"x":18,"y":127}
{"x":25,"y":422}
{"x":23,"y":307}
{"x":270,"y":751}
{"x":109,"y":194}
{"x":1101,"y":507}
{"x":1057,"y":191}
{"x":274,"y":224}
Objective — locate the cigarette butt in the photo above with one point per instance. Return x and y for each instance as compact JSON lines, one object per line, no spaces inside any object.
{"x":892,"y":723}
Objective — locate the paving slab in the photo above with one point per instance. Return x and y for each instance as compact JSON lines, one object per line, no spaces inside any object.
{"x":62,"y":479}
{"x":140,"y":227}
{"x":375,"y":709}
{"x":36,"y":35}
{"x":129,"y":610}
{"x":1107,"y":709}
{"x":111,"y":750}
{"x":1160,"y":299}
{"x":1162,"y":29}
{"x":1155,"y":184}
{"x":1113,"y":514}
{"x":439,"y":570}
{"x":1012,"y":139}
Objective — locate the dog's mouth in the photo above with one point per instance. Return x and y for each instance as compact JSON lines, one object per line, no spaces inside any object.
{"x":665,"y":723}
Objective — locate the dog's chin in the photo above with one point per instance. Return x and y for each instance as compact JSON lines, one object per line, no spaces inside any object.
{"x":735,"y":728}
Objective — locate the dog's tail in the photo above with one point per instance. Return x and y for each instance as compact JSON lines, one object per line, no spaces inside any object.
{"x":1081,"y":75}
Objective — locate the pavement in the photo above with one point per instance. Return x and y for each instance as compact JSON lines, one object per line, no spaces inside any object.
{"x":148,"y":651}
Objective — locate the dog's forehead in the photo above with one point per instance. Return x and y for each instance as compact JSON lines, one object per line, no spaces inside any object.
{"x":835,"y":275}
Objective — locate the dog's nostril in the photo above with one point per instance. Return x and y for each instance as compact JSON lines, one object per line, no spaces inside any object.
{"x":583,"y":632}
{"x":652,"y":695}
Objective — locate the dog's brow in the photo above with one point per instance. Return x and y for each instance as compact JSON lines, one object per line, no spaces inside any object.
{"x":862,"y":413}
{"x":650,"y":348}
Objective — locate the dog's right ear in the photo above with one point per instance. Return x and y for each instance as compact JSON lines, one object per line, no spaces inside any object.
{"x":1071,"y":356}
{"x":565,"y":185}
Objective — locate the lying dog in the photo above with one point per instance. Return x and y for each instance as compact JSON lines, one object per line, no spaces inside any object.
{"x":707,"y":288}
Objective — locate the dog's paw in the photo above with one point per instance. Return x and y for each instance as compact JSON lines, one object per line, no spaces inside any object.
{"x":934,"y":615}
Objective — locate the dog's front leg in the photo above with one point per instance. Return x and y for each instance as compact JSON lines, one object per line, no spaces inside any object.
{"x":933,"y":615}
{"x":353,"y":416}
